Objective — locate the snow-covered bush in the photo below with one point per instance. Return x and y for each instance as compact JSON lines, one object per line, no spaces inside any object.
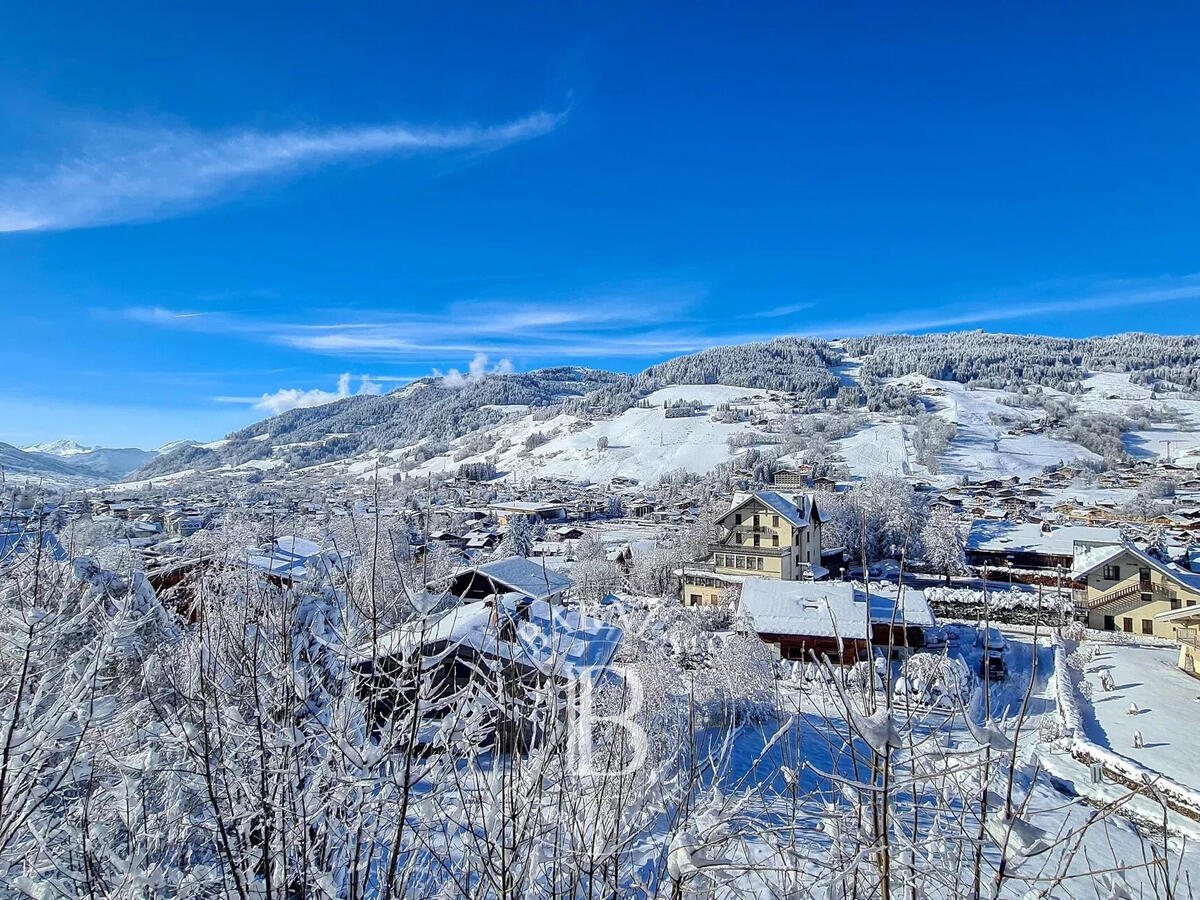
{"x":744,"y":679}
{"x":1081,"y":657}
{"x":932,"y":679}
{"x":863,"y":676}
{"x":1074,"y":631}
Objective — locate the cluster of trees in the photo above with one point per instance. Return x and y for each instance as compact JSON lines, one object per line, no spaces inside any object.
{"x":480,"y":471}
{"x":676,"y":409}
{"x":892,"y":399}
{"x":535,"y":439}
{"x":729,"y":414}
{"x":785,"y":364}
{"x":930,"y":438}
{"x":883,"y":518}
{"x":1007,"y":361}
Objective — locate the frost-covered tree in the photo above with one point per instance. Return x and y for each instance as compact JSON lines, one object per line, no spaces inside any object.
{"x":942,"y":543}
{"x":518,"y":539}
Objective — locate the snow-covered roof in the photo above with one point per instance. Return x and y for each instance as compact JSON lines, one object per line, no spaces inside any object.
{"x":290,"y":557}
{"x":1089,"y":557}
{"x":16,"y":541}
{"x":796,"y":508}
{"x":1028,"y":537}
{"x":525,"y":577}
{"x":811,"y":609}
{"x":914,"y":607}
{"x":526,"y":506}
{"x":1183,"y":614}
{"x":550,"y":638}
{"x":1176,"y":573}
{"x":297,"y":546}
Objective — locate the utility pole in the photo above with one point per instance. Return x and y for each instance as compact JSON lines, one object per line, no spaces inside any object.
{"x":1168,"y":452}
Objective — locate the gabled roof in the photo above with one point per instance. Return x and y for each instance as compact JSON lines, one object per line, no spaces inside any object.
{"x":796,"y":508}
{"x":17,"y":541}
{"x":1181,"y":576}
{"x":519,"y":574}
{"x":552,"y":639}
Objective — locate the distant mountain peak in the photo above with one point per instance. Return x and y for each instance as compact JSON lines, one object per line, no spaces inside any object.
{"x":61,"y":447}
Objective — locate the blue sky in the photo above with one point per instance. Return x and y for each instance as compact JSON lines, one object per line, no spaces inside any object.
{"x":208,"y":214}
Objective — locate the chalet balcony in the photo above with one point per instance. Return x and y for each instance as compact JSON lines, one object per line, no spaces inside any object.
{"x":748,"y":550}
{"x":1189,"y":637}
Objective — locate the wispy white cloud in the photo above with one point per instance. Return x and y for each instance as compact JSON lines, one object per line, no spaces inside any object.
{"x":644,"y":323}
{"x":789,"y":309}
{"x":299,"y":398}
{"x":137,"y":174}
{"x":1021,"y":305}
{"x":621,"y":323}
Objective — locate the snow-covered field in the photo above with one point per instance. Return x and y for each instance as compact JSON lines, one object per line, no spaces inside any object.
{"x":642,"y":443}
{"x":983,"y":449}
{"x":1168,"y":703}
{"x":1113,"y":392}
{"x":877,"y":448}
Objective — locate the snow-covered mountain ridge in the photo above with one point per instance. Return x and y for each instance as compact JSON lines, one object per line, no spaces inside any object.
{"x":65,"y":462}
{"x":1010,"y":404}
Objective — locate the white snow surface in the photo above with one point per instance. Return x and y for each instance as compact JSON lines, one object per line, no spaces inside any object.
{"x":982,"y":449}
{"x":642,"y":443}
{"x":1168,"y":703}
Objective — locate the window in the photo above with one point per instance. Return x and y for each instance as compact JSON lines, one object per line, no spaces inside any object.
{"x":1144,"y":573}
{"x":1175,"y":604}
{"x":694,"y":598}
{"x":1147,"y":626}
{"x":1112,"y":573}
{"x":760,"y":563}
{"x":737,"y":518}
{"x":774,"y":521}
{"x":737,"y":537}
{"x":757,"y":539}
{"x":774,"y":540}
{"x":1191,"y":603}
{"x":1127,"y":624}
{"x":756,"y":520}
{"x":719,"y":559}
{"x":1110,"y":624}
